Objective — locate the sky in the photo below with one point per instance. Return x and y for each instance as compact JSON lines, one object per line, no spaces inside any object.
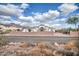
{"x":33,"y":14}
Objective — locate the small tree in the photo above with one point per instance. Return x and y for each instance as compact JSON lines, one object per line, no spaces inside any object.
{"x":73,"y":20}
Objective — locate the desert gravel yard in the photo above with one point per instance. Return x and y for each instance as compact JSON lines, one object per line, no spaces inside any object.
{"x":38,"y":49}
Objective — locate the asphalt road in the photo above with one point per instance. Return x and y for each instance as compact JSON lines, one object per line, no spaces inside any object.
{"x":33,"y":39}
{"x":40,"y":36}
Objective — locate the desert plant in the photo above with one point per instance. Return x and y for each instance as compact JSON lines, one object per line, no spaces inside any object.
{"x":21,"y":52}
{"x":7,"y":31}
{"x":74,"y":43}
{"x":24,"y":45}
{"x":35,"y":52}
{"x":29,"y":30}
{"x":47,"y":52}
{"x":44,"y":45}
{"x":3,"y":40}
{"x":18,"y":29}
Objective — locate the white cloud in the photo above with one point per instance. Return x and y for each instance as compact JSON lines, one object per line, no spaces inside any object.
{"x":38,"y":18}
{"x":51,"y":14}
{"x":5,"y":22}
{"x":47,"y":15}
{"x":59,"y":26}
{"x":24,"y":6}
{"x":67,"y":8}
{"x":60,"y":20}
{"x":10,"y":10}
{"x":16,"y":22}
{"x":25,"y":24}
{"x":56,"y":24}
{"x":8,"y":18}
{"x":26,"y":19}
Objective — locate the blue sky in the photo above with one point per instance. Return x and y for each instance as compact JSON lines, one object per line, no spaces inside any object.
{"x":41,"y":8}
{"x":33,"y":14}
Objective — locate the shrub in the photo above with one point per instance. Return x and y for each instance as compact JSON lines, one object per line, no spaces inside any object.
{"x":24,"y":45}
{"x":18,"y":29}
{"x":74,"y":43}
{"x":64,"y":31}
{"x":74,"y":29}
{"x":1,"y":32}
{"x":35,"y":52}
{"x":29,"y":30}
{"x":21,"y":52}
{"x":3,"y":41}
{"x":47,"y":52}
{"x":44,"y":45}
{"x":7,"y":31}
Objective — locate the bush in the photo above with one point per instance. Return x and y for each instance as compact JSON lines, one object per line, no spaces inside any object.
{"x":74,"y":29}
{"x":64,"y":31}
{"x":5,"y":31}
{"x":1,"y":32}
{"x":18,"y":29}
{"x":3,"y":41}
{"x":74,"y":43}
{"x":29,"y":30}
{"x":24,"y":45}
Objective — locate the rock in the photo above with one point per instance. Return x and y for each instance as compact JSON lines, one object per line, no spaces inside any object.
{"x":56,"y":44}
{"x":57,"y":53}
{"x":47,"y":52}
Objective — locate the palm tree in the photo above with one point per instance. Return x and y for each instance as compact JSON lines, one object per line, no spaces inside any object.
{"x":73,"y":20}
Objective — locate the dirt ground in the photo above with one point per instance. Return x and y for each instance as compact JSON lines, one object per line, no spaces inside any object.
{"x":39,"y":34}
